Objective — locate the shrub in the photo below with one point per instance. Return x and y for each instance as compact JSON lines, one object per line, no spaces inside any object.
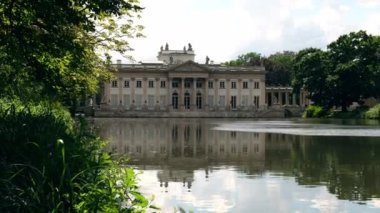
{"x":373,"y":113}
{"x":50,"y":163}
{"x":313,"y":111}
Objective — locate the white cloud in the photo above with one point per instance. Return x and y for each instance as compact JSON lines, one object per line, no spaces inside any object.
{"x":224,"y":29}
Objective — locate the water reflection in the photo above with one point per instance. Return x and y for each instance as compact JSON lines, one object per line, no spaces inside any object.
{"x":182,"y":150}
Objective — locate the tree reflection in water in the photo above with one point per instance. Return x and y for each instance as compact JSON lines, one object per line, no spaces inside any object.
{"x":348,"y":166}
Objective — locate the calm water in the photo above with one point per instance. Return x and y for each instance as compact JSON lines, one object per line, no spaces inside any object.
{"x":215,"y":165}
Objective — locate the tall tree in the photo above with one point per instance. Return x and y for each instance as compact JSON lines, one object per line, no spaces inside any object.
{"x":279,"y":68}
{"x":49,"y":48}
{"x":311,"y":67}
{"x":352,"y":76}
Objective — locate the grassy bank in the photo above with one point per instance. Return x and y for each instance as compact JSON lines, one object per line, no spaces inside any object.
{"x":50,"y":163}
{"x":313,"y":111}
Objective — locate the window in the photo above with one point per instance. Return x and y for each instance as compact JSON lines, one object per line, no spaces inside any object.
{"x":244,"y":100}
{"x":222,"y":100}
{"x":151,"y":84}
{"x":211,"y":100}
{"x":257,"y":84}
{"x":256,"y":101}
{"x":127,"y":100}
{"x":175,"y":100}
{"x":221,"y":85}
{"x":233,"y":102}
{"x":163,"y":84}
{"x":199,"y":101}
{"x":233,"y":85}
{"x":114,"y":84}
{"x":187,"y":84}
{"x":199,"y":84}
{"x":187,"y":100}
{"x":210,"y":84}
{"x":175,"y":84}
{"x":150,"y":100}
{"x":126,"y":84}
{"x":138,"y":100}
{"x":114,"y":100}
{"x":138,"y":84}
{"x":245,"y":84}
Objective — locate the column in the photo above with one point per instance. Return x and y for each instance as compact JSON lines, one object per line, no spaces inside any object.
{"x":272,"y":97}
{"x":250,"y":87}
{"x":238,"y":98}
{"x":193,"y":104}
{"x":205,"y":98}
{"x":145,"y":96}
{"x":228,"y":94}
{"x":181,"y":101}
{"x":286,"y":98}
{"x":132,"y":85}
{"x":158,"y":103}
{"x":169,"y":98}
{"x":262,"y":93}
{"x":280,"y":98}
{"x":294,"y":99}
{"x":120,"y":92}
{"x":216,"y":98}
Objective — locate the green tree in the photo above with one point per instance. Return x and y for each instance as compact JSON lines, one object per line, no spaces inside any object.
{"x":279,"y":68}
{"x":248,"y":59}
{"x":49,"y":49}
{"x":310,"y":73}
{"x":352,"y":75}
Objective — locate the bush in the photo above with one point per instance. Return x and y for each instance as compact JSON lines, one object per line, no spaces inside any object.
{"x":313,"y":111}
{"x":373,"y":113}
{"x":50,"y":163}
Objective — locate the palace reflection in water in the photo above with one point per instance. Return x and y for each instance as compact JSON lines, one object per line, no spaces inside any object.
{"x":348,"y":166}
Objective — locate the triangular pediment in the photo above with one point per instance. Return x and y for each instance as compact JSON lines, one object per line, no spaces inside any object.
{"x":189,"y":66}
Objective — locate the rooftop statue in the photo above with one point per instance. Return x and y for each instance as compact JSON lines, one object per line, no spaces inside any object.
{"x":162,"y":48}
{"x":207,"y":59}
{"x":166,"y":46}
{"x":190,"y":48}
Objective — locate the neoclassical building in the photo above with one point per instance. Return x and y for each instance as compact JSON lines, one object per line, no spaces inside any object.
{"x":178,"y":86}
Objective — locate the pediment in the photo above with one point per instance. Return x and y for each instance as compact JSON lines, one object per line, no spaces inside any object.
{"x":189,"y":66}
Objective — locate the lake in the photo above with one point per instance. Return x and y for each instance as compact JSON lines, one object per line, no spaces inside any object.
{"x":245,"y":165}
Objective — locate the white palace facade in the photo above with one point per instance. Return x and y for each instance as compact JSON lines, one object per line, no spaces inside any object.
{"x":176,"y":86}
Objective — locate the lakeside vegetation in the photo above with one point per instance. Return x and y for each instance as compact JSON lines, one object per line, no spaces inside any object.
{"x":52,"y":54}
{"x":51,"y":163}
{"x":347,"y":71}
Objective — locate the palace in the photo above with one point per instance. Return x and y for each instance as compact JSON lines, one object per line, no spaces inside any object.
{"x":176,"y":86}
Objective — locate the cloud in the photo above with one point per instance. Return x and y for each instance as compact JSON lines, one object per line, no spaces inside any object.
{"x":223,"y":29}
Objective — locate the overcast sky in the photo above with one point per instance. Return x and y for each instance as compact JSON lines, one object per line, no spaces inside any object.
{"x":223,"y":29}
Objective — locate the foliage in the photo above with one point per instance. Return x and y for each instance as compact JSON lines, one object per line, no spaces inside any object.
{"x":248,"y":59}
{"x":49,"y":49}
{"x":347,"y":72}
{"x":51,"y":163}
{"x":279,"y":68}
{"x":373,"y":113}
{"x":313,"y":111}
{"x":310,"y":73}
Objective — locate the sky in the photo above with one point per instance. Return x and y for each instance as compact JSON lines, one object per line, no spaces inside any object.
{"x":224,"y":29}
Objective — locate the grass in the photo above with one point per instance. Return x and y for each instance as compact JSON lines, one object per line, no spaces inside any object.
{"x":373,"y":113}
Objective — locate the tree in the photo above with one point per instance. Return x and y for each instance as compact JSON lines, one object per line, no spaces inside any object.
{"x":279,"y":68}
{"x":248,"y":59}
{"x":352,"y":77}
{"x":49,"y":49}
{"x":310,"y":73}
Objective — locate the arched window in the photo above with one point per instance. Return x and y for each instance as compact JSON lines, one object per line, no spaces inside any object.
{"x":175,"y":100}
{"x":187,"y":100}
{"x":199,"y":101}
